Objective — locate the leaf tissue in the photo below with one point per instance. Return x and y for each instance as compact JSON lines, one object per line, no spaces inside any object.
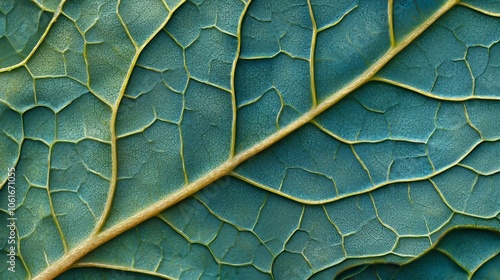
{"x":250,"y":139}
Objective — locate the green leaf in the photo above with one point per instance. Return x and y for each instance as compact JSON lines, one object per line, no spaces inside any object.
{"x":231,"y":139}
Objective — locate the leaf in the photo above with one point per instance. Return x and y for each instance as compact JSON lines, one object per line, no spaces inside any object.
{"x":250,"y":139}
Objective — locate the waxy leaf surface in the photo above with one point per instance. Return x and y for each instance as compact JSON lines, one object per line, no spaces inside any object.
{"x":250,"y":139}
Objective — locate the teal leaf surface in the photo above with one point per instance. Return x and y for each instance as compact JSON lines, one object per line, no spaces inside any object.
{"x":249,"y":139}
{"x":461,"y":254}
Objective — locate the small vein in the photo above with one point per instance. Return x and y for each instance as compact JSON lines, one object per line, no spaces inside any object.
{"x":25,"y":60}
{"x":339,"y":20}
{"x":432,"y":95}
{"x":51,"y":204}
{"x":390,"y":10}
{"x":477,"y":9}
{"x":129,"y":35}
{"x":312,"y":55}
{"x":362,"y":164}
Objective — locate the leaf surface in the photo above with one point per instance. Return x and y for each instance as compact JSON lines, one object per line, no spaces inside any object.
{"x":251,"y":139}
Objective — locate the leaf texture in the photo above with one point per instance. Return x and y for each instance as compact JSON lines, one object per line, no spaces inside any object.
{"x":238,"y":139}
